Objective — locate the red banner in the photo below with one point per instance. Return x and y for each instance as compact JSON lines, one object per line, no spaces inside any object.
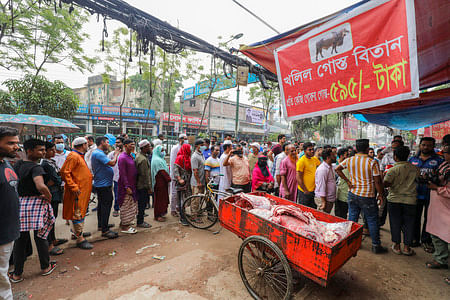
{"x":438,"y":131}
{"x":186,"y":119}
{"x":350,"y":129}
{"x":362,"y":59}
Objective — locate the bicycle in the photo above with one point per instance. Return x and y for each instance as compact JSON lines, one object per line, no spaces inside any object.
{"x":202,"y":210}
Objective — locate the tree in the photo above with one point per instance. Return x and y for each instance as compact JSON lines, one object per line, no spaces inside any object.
{"x":118,"y":60}
{"x":33,"y":36}
{"x":44,"y":98}
{"x":267,"y":98}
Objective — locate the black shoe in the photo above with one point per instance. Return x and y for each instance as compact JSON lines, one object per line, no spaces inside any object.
{"x":110,"y":234}
{"x":144,"y":225}
{"x":378,"y":249}
{"x":184,"y":223}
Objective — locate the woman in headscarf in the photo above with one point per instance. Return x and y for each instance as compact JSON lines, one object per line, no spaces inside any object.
{"x":183,"y":172}
{"x":261,"y":178}
{"x":160,"y":181}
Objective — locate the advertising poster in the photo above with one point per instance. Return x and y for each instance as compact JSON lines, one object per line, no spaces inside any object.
{"x":363,"y":59}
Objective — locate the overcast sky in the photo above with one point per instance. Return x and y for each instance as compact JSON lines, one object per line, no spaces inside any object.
{"x":207,"y":19}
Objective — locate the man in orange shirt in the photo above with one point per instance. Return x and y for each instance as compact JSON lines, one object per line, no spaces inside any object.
{"x":306,"y":175}
{"x":77,"y":190}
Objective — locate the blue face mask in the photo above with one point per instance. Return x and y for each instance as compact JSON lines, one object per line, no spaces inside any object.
{"x":163,"y":153}
{"x":59,"y":147}
{"x":202,"y":148}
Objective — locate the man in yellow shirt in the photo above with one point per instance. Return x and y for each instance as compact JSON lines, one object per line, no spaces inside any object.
{"x":306,"y":172}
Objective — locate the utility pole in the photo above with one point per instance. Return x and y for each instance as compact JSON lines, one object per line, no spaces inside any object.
{"x":209,"y":117}
{"x":236,"y":124}
{"x":181,"y":113}
{"x":161,"y":108}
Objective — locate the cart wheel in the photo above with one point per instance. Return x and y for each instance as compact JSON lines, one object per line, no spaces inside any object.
{"x":200,"y":212}
{"x":264,"y":269}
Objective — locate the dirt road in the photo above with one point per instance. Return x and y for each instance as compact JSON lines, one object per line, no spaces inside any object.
{"x":201,"y":265}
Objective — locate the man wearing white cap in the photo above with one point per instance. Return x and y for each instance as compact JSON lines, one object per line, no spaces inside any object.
{"x":77,"y":190}
{"x":143,"y":185}
{"x":173,"y":155}
{"x":225,"y":180}
{"x":253,"y":156}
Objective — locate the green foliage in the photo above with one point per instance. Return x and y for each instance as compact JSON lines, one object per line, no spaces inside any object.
{"x":42,"y":37}
{"x":37,"y":95}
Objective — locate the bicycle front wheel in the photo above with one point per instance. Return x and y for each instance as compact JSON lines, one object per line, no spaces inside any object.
{"x":200,"y":212}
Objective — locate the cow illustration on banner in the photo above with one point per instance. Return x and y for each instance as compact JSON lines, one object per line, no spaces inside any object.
{"x":362,"y":59}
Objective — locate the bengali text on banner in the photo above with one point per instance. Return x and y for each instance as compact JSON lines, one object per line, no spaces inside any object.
{"x":363,"y":59}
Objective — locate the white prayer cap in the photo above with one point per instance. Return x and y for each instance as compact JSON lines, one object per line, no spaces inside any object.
{"x":157,"y":142}
{"x":79,"y":141}
{"x":143,"y":143}
{"x":226,"y":142}
{"x":182,"y":136}
{"x":255,"y":145}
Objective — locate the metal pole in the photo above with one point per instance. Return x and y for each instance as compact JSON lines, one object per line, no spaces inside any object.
{"x":181,"y":113}
{"x":236,"y":128}
{"x":253,"y":14}
{"x":209,"y":117}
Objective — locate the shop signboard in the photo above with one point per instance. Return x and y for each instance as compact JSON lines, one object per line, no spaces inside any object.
{"x":222,"y":83}
{"x":126,"y":111}
{"x":350,"y":129}
{"x":362,"y":59}
{"x":190,"y":120}
{"x":255,"y":116}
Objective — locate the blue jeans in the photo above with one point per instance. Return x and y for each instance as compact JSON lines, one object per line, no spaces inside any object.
{"x":370,"y":209}
{"x":116,"y":196}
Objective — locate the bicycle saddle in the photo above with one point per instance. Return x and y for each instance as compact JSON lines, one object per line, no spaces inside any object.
{"x":234,"y":190}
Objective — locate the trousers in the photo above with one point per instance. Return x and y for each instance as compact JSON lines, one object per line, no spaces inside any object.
{"x":116,"y":196}
{"x":420,"y":233}
{"x":143,"y":196}
{"x":341,"y":209}
{"x":306,"y":199}
{"x":173,"y":197}
{"x":401,"y":218}
{"x":369,"y":207}
{"x":440,"y":250}
{"x":52,"y":236}
{"x":20,"y":249}
{"x":5,"y":285}
{"x":105,"y":200}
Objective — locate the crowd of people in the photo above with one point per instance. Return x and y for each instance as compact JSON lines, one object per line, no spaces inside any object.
{"x":358,"y":182}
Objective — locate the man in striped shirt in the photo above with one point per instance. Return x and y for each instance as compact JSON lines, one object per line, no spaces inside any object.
{"x":365,"y":177}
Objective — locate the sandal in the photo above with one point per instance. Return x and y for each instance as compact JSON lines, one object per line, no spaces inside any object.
{"x":435,"y":265}
{"x":429,"y":248}
{"x":160,"y":219}
{"x":85,"y":245}
{"x":398,"y":252}
{"x":130,"y":230}
{"x":174,"y":214}
{"x":56,"y":251}
{"x":10,"y":275}
{"x":60,"y":242}
{"x":110,"y":234}
{"x":411,"y":252}
{"x":52,"y":268}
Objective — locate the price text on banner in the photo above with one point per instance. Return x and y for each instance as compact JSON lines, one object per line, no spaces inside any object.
{"x":363,"y":59}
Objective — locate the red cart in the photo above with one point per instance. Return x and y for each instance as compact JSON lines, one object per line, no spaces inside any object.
{"x":270,"y":251}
